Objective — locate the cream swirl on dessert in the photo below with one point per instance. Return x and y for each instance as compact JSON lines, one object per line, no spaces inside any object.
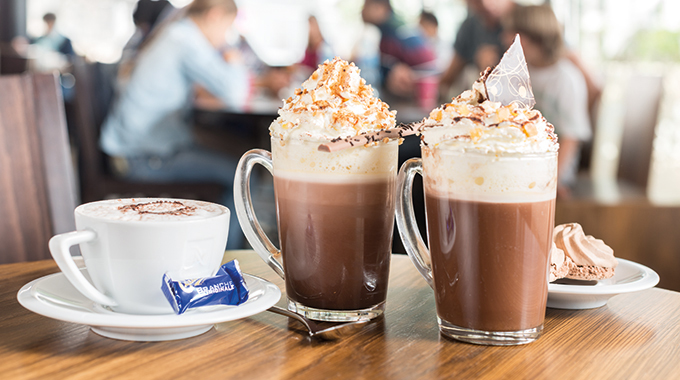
{"x":471,"y":122}
{"x":584,"y":250}
{"x":335,"y":102}
{"x":559,"y":264}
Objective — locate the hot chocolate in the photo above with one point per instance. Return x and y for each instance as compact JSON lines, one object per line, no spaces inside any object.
{"x":489,"y":220}
{"x":336,"y":217}
{"x":489,"y":167}
{"x":489,"y":261}
{"x":336,"y":240}
{"x":335,"y":209}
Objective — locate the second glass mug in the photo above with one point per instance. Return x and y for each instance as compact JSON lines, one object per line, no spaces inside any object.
{"x":335,"y":215}
{"x":490,"y":220}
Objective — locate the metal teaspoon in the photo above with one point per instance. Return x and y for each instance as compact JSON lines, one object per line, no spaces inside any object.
{"x":331,"y":333}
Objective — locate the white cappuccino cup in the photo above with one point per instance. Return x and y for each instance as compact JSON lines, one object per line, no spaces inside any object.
{"x":128,"y":244}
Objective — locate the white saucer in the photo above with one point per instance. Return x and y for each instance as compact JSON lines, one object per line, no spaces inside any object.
{"x":628,"y":277}
{"x":53,"y":296}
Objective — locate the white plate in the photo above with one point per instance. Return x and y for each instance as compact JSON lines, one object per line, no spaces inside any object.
{"x":629,"y":277}
{"x":53,"y":296}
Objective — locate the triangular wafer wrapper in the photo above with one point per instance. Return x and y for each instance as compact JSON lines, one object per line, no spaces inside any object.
{"x":509,"y":81}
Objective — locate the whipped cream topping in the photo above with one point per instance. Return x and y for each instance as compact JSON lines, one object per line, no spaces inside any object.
{"x":472,"y":122}
{"x":334,"y":103}
{"x":583,"y":250}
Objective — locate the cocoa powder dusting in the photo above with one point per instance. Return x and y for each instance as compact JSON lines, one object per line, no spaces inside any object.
{"x":159,"y":208}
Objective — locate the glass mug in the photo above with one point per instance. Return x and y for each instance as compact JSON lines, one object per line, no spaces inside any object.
{"x":490,"y":220}
{"x":335,"y":215}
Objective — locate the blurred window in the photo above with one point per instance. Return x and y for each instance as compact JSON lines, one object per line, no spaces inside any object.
{"x":98,"y":29}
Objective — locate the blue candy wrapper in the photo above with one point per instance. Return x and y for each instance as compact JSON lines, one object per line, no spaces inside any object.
{"x":227,"y":287}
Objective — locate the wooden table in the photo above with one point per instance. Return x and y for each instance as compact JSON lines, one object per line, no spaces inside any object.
{"x":636,"y":335}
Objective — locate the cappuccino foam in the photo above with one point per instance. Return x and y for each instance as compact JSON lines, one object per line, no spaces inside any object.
{"x":151,"y":209}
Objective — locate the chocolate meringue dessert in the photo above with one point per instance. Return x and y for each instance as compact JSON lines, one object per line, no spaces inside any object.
{"x":578,"y":256}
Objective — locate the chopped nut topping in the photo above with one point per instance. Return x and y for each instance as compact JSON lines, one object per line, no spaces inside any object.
{"x":530,"y":129}
{"x":336,"y":90}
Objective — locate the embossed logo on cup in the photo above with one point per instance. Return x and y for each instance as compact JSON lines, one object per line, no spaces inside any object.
{"x":197,"y":253}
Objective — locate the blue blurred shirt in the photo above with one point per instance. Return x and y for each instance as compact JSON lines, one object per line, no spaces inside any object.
{"x":152,"y":113}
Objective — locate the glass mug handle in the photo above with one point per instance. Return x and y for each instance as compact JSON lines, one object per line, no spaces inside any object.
{"x":244,"y":207}
{"x":406,"y":219}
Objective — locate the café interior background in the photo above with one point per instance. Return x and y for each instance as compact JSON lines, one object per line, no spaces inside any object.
{"x":617,"y":39}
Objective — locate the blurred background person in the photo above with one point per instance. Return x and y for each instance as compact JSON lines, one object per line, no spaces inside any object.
{"x":53,"y":40}
{"x":318,"y":50}
{"x":147,"y":14}
{"x":366,"y":55}
{"x":275,"y":81}
{"x":478,"y":41}
{"x":148,"y":132}
{"x":49,"y":52}
{"x":429,"y":25}
{"x":266,"y":81}
{"x":558,"y":85}
{"x":403,"y":50}
{"x":52,"y":51}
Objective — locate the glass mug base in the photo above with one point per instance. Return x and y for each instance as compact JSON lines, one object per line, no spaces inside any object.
{"x":489,"y":338}
{"x":336,"y":315}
